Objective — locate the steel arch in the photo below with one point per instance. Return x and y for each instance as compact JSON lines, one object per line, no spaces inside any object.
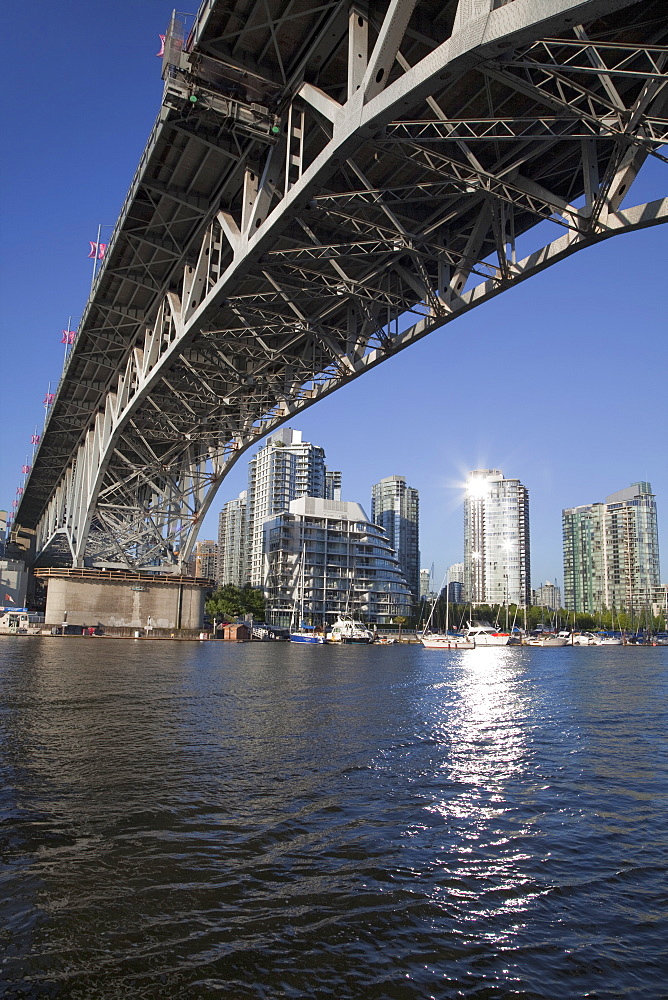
{"x":272,"y":250}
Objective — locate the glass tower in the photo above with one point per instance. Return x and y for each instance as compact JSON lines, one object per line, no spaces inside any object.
{"x":232,"y":542}
{"x":497,"y":567}
{"x":284,"y":469}
{"x":611,"y":552}
{"x":396,"y":508}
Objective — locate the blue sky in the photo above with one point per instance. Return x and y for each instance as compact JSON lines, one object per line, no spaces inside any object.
{"x":560,"y":382}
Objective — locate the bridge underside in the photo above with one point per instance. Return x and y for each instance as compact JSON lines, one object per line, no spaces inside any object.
{"x":326,"y":184}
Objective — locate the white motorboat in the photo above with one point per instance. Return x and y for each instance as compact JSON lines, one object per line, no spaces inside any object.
{"x":583,"y":639}
{"x":485,"y":635}
{"x":16,"y":621}
{"x":546,"y":640}
{"x":345,"y":629}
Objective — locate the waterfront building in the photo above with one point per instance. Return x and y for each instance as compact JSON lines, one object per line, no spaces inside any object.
{"x":284,"y":469}
{"x":454,"y":587}
{"x":660,"y":602}
{"x":206,"y":558}
{"x":332,"y":485}
{"x":231,"y":566}
{"x":425,"y":583}
{"x":497,"y":567}
{"x":395,"y":507}
{"x":427,"y":592}
{"x":611,"y":552}
{"x":548,"y":596}
{"x":456,"y":573}
{"x":329,"y":558}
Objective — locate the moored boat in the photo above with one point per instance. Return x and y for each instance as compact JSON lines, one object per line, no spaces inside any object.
{"x":608,"y":640}
{"x":582,"y":639}
{"x":486,"y":635}
{"x":546,"y":640}
{"x":435,"y":640}
{"x":308,"y":635}
{"x":447,"y":640}
{"x":346,"y":630}
{"x":16,"y":621}
{"x":305,"y":633}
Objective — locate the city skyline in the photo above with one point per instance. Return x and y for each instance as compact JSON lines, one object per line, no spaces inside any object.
{"x":528,"y":375}
{"x":551,"y":577}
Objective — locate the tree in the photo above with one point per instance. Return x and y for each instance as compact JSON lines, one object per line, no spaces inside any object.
{"x":253,"y":602}
{"x":400,"y":620}
{"x":230,"y":602}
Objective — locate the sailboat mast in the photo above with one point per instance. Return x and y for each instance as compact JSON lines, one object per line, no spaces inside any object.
{"x":301,"y":590}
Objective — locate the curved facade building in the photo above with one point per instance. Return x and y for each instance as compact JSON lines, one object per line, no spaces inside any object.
{"x":329,"y":558}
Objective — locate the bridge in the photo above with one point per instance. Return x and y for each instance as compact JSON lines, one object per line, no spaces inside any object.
{"x":327,"y":182}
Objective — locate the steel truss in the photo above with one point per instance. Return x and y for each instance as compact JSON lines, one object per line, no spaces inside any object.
{"x":325,"y":185}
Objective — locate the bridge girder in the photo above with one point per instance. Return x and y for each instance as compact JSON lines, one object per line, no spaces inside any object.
{"x":348,"y":178}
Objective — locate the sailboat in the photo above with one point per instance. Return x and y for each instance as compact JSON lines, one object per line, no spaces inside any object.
{"x":302,"y":632}
{"x":434,"y":640}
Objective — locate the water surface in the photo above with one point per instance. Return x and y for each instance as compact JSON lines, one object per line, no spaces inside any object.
{"x":276,"y":821}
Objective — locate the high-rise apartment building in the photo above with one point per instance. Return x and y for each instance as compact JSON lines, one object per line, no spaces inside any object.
{"x":284,"y":469}
{"x":455,"y":583}
{"x":332,"y":485}
{"x":232,"y":542}
{"x":395,"y":507}
{"x":206,"y":558}
{"x":611,"y":552}
{"x":325,"y":558}
{"x":497,"y":565}
{"x":548,"y":596}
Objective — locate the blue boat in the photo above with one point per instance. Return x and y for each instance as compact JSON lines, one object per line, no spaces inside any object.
{"x":307,"y":636}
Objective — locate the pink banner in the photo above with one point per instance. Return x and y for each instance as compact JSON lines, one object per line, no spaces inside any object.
{"x":97,"y":250}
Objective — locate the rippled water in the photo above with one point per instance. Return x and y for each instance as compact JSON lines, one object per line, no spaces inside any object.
{"x":270,"y":821}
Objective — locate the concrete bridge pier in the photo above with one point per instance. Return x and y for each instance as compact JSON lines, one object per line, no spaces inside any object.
{"x":123,"y":599}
